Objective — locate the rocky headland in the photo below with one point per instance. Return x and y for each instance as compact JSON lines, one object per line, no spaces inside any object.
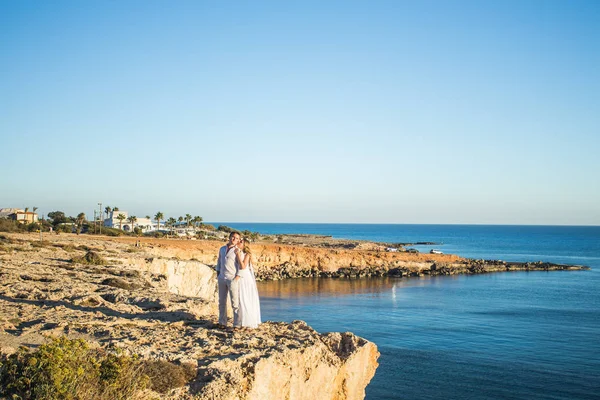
{"x":157,"y":298}
{"x":309,"y":256}
{"x":148,"y":301}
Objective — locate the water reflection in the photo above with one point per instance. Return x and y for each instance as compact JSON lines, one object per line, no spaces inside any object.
{"x":325,"y":287}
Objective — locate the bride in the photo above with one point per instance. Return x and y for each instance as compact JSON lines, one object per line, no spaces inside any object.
{"x":249,"y":311}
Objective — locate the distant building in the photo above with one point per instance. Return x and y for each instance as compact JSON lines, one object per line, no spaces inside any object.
{"x":113,"y":222}
{"x":145,"y":224}
{"x":7,"y":212}
{"x":19,"y":215}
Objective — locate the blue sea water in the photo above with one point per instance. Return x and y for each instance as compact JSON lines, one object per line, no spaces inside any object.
{"x":518,"y":335}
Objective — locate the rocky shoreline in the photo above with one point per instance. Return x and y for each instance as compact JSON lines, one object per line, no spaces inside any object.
{"x":122,"y":297}
{"x":157,"y":298}
{"x":465,"y":267}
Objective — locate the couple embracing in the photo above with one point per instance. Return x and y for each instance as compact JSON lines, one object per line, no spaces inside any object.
{"x":237,"y":281}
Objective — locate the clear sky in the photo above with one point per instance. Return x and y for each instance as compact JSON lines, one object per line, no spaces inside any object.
{"x":304,"y":111}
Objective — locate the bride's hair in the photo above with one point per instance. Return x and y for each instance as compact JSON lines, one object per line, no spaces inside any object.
{"x":247,"y":248}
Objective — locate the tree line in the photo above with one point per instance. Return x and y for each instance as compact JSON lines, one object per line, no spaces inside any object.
{"x":58,"y":221}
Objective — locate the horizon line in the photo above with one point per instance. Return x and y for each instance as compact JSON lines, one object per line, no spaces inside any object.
{"x":395,"y":223}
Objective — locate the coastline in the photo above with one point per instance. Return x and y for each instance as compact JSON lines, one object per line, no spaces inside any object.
{"x":142,"y":302}
{"x":156,"y":298}
{"x":311,"y":256}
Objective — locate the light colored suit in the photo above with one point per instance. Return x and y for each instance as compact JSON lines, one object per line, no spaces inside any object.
{"x":227,"y":269}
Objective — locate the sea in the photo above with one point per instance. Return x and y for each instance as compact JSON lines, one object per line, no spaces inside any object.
{"x":514,"y":335}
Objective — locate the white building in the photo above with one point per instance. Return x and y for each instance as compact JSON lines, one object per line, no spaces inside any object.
{"x":113,"y":222}
{"x":145,"y":224}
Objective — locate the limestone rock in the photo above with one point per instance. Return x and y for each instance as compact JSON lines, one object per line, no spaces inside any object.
{"x":165,"y":309}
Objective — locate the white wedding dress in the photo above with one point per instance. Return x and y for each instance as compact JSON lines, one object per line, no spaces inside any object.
{"x":249,"y":311}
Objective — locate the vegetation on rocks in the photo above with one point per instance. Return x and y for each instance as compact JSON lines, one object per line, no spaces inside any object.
{"x":90,"y":258}
{"x":10,"y":225}
{"x":69,"y":369}
{"x":66,"y":369}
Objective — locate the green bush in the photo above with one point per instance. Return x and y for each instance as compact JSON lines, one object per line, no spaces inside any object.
{"x":65,"y":228}
{"x":227,"y":229}
{"x":10,"y":225}
{"x":106,"y":231}
{"x":66,"y":369}
{"x":250,"y":235}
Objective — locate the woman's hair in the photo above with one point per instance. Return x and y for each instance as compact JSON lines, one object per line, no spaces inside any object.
{"x":247,"y":248}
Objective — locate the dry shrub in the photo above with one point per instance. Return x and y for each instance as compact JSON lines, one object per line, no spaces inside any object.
{"x":120,"y":283}
{"x":130,"y":273}
{"x":87,"y":248}
{"x":164,"y":375}
{"x":66,"y":247}
{"x":90,"y":258}
{"x":9,"y":225}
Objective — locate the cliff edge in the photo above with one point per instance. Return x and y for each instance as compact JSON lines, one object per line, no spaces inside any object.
{"x":118,"y":296}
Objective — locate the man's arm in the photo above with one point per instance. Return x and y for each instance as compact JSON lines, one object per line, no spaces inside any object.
{"x":218,"y":266}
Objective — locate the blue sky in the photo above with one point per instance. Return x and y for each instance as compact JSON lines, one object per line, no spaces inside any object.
{"x":349,"y":111}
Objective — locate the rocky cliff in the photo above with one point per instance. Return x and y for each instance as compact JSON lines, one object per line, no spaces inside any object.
{"x":282,"y":261}
{"x":157,"y":302}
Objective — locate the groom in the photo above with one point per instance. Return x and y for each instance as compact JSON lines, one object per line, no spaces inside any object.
{"x":227,"y":269}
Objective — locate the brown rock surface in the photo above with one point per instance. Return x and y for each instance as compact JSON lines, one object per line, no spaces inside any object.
{"x":295,"y":260}
{"x":147,"y":302}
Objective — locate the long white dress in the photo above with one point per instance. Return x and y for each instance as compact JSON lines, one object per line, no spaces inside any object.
{"x":249,"y":312}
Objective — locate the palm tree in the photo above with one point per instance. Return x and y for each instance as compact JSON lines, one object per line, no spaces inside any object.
{"x":197,"y":220}
{"x":116,"y":209}
{"x":121,"y":217}
{"x":158,"y":217}
{"x":107,"y":210}
{"x":188,"y":219}
{"x":33,"y":216}
{"x":25,"y":216}
{"x":132,"y":219}
{"x":80,"y":221}
{"x":180,"y":219}
{"x":147,"y":217}
{"x":171,"y":222}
